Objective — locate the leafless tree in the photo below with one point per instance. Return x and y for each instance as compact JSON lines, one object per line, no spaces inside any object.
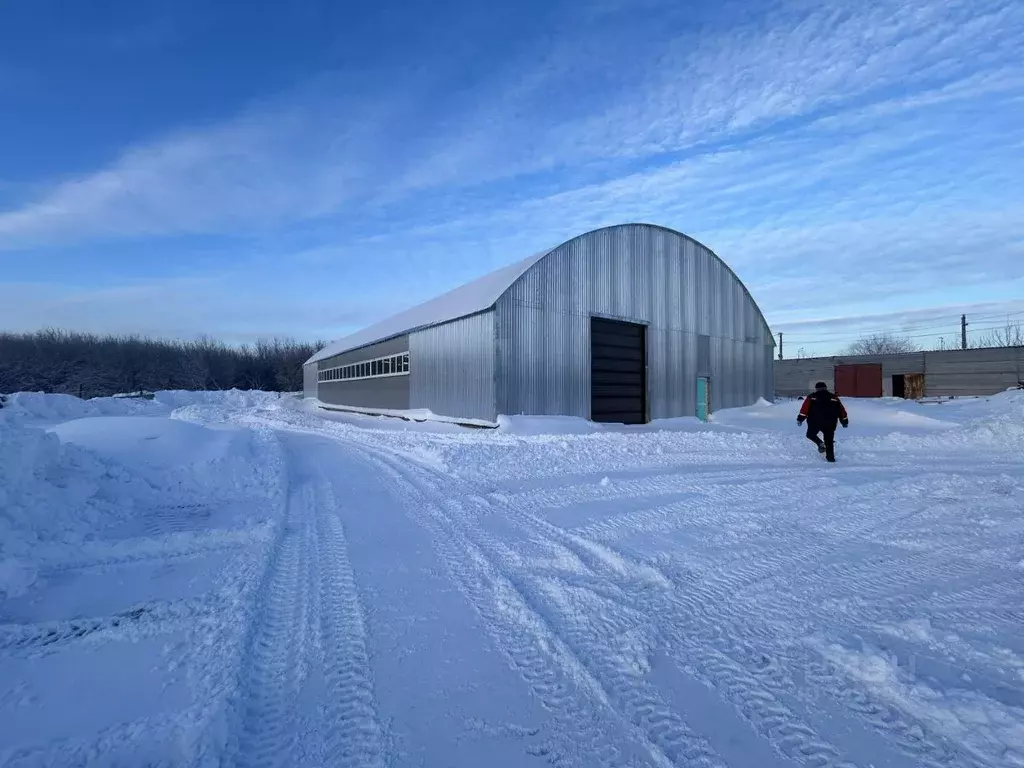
{"x":85,"y":365}
{"x":882,"y":344}
{"x":1011,"y":335}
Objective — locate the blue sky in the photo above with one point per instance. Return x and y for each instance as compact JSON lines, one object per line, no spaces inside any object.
{"x":302,"y":169}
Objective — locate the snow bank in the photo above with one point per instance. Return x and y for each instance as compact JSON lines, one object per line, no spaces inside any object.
{"x":419,"y":415}
{"x":39,"y":408}
{"x":546,"y":425}
{"x":231,"y":398}
{"x":16,"y":576}
{"x":54,"y":493}
{"x":76,"y":470}
{"x":537,"y":426}
{"x":216,"y":460}
{"x":994,"y":424}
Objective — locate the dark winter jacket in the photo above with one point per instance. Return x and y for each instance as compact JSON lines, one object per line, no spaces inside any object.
{"x":823,"y":410}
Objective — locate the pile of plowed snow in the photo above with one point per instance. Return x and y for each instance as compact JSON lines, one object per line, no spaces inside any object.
{"x":72,"y":469}
{"x":76,"y":470}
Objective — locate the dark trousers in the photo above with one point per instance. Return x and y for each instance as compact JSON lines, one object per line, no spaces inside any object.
{"x":829,"y":441}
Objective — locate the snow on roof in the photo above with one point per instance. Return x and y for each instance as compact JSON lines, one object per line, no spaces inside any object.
{"x":476,"y":296}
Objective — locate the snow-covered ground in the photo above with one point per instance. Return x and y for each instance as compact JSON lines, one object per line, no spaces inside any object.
{"x":239,"y":579}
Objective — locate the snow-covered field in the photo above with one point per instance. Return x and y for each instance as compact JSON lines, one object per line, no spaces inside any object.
{"x":239,"y":579}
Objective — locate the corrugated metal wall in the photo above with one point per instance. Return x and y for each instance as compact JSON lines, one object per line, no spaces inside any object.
{"x":370,"y":352}
{"x":451,"y":368}
{"x":946,"y":372}
{"x":391,"y":393}
{"x":309,"y":380}
{"x":638,"y":273}
{"x":383,"y":392}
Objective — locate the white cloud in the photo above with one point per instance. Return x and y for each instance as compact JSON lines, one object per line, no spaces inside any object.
{"x":280,"y":162}
{"x":610,"y":93}
{"x":795,"y":62}
{"x":876,"y":137}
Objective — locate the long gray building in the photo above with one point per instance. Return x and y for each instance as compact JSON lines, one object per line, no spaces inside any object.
{"x":942,"y":373}
{"x":623,"y":324}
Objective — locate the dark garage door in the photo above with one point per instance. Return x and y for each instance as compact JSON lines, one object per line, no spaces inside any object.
{"x":618,"y":372}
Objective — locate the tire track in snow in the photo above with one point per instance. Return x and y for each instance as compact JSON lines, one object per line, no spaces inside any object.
{"x":663,"y":729}
{"x":271,"y":673}
{"x":906,"y":735}
{"x":559,"y":677}
{"x":161,"y":549}
{"x":646,"y":717}
{"x":659,"y":727}
{"x":352,"y":734}
{"x":739,"y":508}
{"x":894,"y":575}
{"x":575,"y":491}
{"x":695,"y":641}
{"x":738,"y":665}
{"x":893,"y":583}
{"x":145,"y":620}
{"x":311,"y":628}
{"x":149,"y":741}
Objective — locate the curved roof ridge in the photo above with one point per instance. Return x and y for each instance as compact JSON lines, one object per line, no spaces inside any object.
{"x":470,"y":298}
{"x":481,"y":294}
{"x":692,"y":239}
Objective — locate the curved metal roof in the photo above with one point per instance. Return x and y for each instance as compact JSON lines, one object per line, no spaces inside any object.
{"x":476,"y":296}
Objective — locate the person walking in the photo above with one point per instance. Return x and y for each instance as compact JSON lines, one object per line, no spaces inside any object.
{"x":823,"y":411}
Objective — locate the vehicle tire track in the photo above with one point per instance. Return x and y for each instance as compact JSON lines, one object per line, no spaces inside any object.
{"x":738,"y":664}
{"x":271,"y":673}
{"x":552,"y":674}
{"x":699,"y":644}
{"x":574,"y":492}
{"x":158,"y":549}
{"x":144,"y":620}
{"x":553,"y":662}
{"x":352,"y":734}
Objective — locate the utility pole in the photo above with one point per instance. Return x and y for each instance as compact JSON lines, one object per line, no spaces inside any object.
{"x":780,"y":345}
{"x":963,"y":331}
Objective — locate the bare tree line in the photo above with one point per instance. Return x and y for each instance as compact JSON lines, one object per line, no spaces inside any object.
{"x":88,"y":365}
{"x":1012,"y":335}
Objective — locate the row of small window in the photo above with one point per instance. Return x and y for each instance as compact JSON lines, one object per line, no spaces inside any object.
{"x":395,"y":365}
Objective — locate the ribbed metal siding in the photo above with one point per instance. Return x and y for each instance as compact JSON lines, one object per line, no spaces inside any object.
{"x":309,"y":380}
{"x":973,"y":371}
{"x":637,"y":273}
{"x":948,"y":372}
{"x":370,"y":352}
{"x":384,"y":392}
{"x":452,"y":367}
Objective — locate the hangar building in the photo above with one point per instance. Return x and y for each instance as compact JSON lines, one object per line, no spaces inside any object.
{"x":623,"y":324}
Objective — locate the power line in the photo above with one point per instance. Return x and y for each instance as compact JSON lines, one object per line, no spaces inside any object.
{"x":892,"y":331}
{"x":919,"y":325}
{"x":855,"y":336}
{"x":1002,"y":316}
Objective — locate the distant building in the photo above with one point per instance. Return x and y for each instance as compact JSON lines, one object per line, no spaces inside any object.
{"x":623,"y":324}
{"x":946,"y":373}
